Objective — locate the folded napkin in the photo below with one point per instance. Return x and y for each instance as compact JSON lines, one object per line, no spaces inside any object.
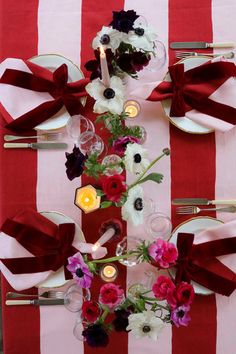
{"x":32,"y":248}
{"x":31,"y":94}
{"x":208,"y":258}
{"x":205,"y":94}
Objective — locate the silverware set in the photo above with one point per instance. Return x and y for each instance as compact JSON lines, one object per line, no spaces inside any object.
{"x":49,"y":141}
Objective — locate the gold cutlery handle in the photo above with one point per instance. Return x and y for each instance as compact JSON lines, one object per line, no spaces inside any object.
{"x":16,"y":145}
{"x":222,"y":202}
{"x":18,"y":302}
{"x":221,"y":45}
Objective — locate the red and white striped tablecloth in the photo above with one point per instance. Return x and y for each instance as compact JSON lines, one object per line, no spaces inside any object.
{"x":199,"y":165}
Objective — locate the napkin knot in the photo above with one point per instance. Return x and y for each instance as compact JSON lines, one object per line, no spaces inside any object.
{"x":191,"y":90}
{"x":65,"y":93}
{"x":199,"y":263}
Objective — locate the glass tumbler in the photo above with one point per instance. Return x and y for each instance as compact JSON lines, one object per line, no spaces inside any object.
{"x":77,"y":125}
{"x":90,"y":143}
{"x":158,"y":225}
{"x":74,"y":298}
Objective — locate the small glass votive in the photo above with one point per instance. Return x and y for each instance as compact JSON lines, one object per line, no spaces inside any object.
{"x":158,"y":225}
{"x":110,"y":160}
{"x":108,"y":272}
{"x":132,"y":108}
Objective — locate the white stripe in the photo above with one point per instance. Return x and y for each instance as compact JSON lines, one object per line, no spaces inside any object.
{"x":59,"y":31}
{"x":157,"y":127}
{"x":223,"y":18}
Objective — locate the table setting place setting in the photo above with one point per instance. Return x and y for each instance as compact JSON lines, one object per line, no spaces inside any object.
{"x":43,"y":101}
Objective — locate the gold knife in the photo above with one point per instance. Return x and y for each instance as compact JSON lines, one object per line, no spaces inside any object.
{"x":35,"y":146}
{"x":201,"y":201}
{"x":36,"y":302}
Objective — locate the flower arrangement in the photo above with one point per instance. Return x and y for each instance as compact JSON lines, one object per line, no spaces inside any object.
{"x":113,"y":189}
{"x":128,"y":46}
{"x":142,"y":311}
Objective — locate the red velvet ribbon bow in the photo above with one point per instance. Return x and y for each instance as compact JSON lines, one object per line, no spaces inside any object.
{"x":65,"y":93}
{"x":191,"y":90}
{"x":50,"y":251}
{"x":199,"y":263}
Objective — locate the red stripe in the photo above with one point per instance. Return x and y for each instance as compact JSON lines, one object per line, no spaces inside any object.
{"x":18,"y":38}
{"x":192,"y":174}
{"x":92,"y":22}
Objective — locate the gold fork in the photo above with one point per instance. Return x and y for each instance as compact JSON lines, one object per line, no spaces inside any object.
{"x":195,"y":210}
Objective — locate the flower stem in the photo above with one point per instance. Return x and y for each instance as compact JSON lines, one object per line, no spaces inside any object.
{"x":145,"y":171}
{"x":149,"y":299}
{"x":112,"y":259}
{"x":104,"y":315}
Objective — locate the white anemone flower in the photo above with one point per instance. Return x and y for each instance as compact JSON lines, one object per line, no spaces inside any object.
{"x":133,"y":209}
{"x":145,"y":324}
{"x":142,"y":37}
{"x":135,"y":158}
{"x":107,"y":98}
{"x":108,"y":38}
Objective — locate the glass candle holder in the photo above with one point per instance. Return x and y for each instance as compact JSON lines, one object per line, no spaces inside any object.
{"x":110,"y":160}
{"x":128,"y":244}
{"x":108,"y":272}
{"x":158,"y":225}
{"x":132,"y":108}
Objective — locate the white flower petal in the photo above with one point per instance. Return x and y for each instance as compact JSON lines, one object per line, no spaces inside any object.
{"x":128,"y":211}
{"x":115,"y":38}
{"x":147,"y":318}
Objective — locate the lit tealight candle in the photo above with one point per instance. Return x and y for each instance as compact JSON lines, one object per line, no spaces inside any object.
{"x":132,"y":108}
{"x":109,"y":272}
{"x":86,"y":198}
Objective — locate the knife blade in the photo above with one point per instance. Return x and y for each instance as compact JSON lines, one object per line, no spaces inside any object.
{"x":36,"y":302}
{"x":35,"y":146}
{"x":201,"y":201}
{"x":202,"y":45}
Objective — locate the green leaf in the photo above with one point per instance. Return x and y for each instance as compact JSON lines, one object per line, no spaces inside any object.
{"x":105,"y":204}
{"x":99,"y":192}
{"x":155,"y":177}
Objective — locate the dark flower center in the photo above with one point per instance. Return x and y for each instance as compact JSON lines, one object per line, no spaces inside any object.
{"x":109,"y":93}
{"x":138,"y":204}
{"x":79,"y":273}
{"x":146,"y":329}
{"x":105,"y":39}
{"x":181,"y":313}
{"x":137,"y":158}
{"x":139,"y":31}
{"x":114,"y":185}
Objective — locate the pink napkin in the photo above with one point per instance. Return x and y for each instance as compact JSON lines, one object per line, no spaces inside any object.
{"x":226,"y":94}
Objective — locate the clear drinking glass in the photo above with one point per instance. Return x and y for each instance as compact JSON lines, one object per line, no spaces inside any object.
{"x":159,"y":59}
{"x":158,"y":225}
{"x":89,"y":143}
{"x":74,"y":298}
{"x":77,"y":125}
{"x":128,"y":244}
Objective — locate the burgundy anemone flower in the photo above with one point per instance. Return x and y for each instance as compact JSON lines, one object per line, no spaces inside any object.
{"x":75,"y":163}
{"x":123,"y":21}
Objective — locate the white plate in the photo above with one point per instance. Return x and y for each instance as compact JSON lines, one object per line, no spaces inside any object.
{"x":57,"y":279}
{"x":52,"y":62}
{"x":185,"y":123}
{"x":195,"y":225}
